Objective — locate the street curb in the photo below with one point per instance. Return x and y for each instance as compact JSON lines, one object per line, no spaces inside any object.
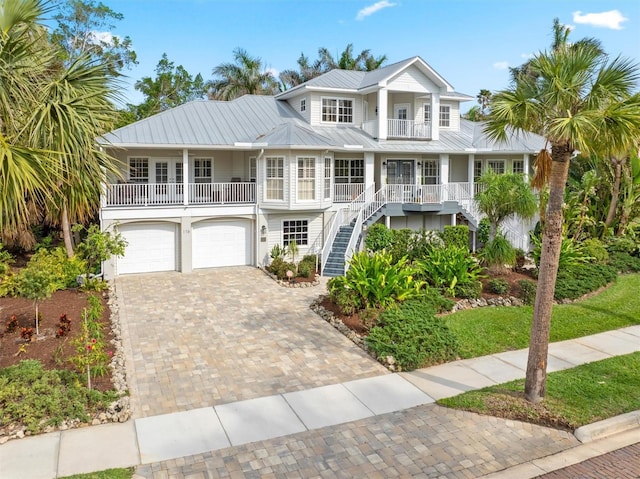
{"x":607,"y":427}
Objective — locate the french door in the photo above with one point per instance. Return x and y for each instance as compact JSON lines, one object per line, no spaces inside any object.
{"x":168,"y":179}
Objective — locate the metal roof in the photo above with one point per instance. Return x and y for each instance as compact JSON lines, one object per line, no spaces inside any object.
{"x":252,"y":122}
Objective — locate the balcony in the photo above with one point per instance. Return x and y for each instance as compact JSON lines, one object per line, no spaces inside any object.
{"x":401,"y":129}
{"x":167,"y":194}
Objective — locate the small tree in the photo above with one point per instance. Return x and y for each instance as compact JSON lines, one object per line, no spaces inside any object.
{"x":293,"y":250}
{"x":36,"y":284}
{"x":98,"y":246}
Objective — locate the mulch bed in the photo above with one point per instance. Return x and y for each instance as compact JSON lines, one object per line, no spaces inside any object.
{"x":51,"y":351}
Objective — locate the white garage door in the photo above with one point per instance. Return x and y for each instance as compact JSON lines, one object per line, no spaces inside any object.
{"x":150,"y":247}
{"x":221,"y":243}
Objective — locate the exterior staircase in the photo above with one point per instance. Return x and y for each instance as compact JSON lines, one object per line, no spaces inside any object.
{"x":336,"y":261}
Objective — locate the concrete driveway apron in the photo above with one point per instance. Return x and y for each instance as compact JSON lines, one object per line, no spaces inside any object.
{"x":216,"y":336}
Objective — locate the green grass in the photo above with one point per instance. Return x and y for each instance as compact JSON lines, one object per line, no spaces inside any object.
{"x":107,"y":474}
{"x":575,"y":397}
{"x":483,"y":331}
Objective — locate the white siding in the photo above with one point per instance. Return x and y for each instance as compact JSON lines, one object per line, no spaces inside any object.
{"x":458,"y":168}
{"x":412,"y":79}
{"x":454,"y":123}
{"x":295,"y":104}
{"x":315,"y":117}
{"x":274,"y":225}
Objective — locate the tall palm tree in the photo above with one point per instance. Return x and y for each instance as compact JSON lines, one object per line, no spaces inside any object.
{"x":246,"y":76}
{"x":306,"y":71}
{"x":364,"y":61}
{"x":568,"y":97}
{"x":77,"y":106}
{"x":26,"y":171}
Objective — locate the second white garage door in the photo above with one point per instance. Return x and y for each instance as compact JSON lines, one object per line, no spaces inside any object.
{"x":221,"y":243}
{"x":150,"y":247}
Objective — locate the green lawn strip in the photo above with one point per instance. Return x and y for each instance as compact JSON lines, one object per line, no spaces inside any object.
{"x":106,"y":474}
{"x":483,"y":331}
{"x":575,"y":397}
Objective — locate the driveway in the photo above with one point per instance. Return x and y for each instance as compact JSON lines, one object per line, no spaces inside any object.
{"x":216,"y":336}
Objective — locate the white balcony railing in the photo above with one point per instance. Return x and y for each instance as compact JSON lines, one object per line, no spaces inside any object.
{"x":408,"y":129}
{"x":145,"y":194}
{"x":347,"y":192}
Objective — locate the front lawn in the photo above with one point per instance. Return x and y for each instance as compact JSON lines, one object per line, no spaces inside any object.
{"x":483,"y":331}
{"x":575,"y":397}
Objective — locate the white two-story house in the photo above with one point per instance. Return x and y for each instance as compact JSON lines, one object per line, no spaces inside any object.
{"x":211,"y":183}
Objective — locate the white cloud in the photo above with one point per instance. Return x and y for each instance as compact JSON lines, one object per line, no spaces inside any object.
{"x":101,"y":37}
{"x":611,"y":19}
{"x":527,"y":56}
{"x":371,"y":9}
{"x":501,"y":65}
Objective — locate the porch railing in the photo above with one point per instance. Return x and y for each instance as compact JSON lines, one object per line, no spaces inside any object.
{"x":408,"y":129}
{"x":145,"y":194}
{"x":347,"y":192}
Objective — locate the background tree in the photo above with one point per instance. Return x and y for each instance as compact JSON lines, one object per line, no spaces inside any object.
{"x":84,"y":27}
{"x":172,"y":86}
{"x":484,"y":99}
{"x":246,"y":76}
{"x":568,"y":96}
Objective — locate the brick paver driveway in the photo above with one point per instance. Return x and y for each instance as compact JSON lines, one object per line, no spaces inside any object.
{"x":222,"y":335}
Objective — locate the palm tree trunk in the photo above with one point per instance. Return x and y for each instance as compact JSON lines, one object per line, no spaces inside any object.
{"x":536,"y":379}
{"x":66,"y":232}
{"x":615,"y":192}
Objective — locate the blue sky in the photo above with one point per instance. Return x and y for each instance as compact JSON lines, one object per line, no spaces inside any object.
{"x":469,"y":42}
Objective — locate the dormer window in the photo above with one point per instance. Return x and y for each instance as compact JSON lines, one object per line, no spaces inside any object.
{"x":303,"y":104}
{"x":337,"y":110}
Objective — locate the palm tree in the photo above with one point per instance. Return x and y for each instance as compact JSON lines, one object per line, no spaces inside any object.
{"x":77,"y":107}
{"x":244,"y":77}
{"x":305,"y":72}
{"x":364,"y":61}
{"x":569,"y":95}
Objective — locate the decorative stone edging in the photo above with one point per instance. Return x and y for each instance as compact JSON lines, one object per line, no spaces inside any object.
{"x":293,"y":284}
{"x":482,"y":303}
{"x":118,"y":411}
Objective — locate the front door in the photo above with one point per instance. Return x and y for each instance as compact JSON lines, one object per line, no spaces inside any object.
{"x":168,"y":176}
{"x":401,"y":172}
{"x":400,"y":125}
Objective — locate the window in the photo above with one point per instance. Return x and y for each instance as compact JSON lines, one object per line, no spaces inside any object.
{"x":430,"y":172}
{"x":445,"y":115}
{"x":306,"y":178}
{"x":297,"y":230}
{"x":202,"y":170}
{"x":337,"y":110}
{"x":497,"y":166}
{"x":327,"y":178}
{"x":477,"y":170}
{"x":349,"y":170}
{"x":252,"y":169}
{"x":427,"y":112}
{"x":303,"y":104}
{"x":518,"y":166}
{"x":139,"y":170}
{"x":275,"y":178}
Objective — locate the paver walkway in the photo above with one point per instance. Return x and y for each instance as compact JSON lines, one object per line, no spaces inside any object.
{"x":227,"y":334}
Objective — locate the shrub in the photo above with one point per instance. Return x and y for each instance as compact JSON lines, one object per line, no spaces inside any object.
{"x":435,"y":299}
{"x":277,"y":252}
{"x":343,"y":296}
{"x":5,"y":261}
{"x":470,"y":290}
{"x":527,"y":291}
{"x":61,"y":269}
{"x":570,"y":254}
{"x":98,"y":246}
{"x":369,"y":316}
{"x":622,"y":244}
{"x":379,"y":237}
{"x":422,"y":242}
{"x":498,"y":286}
{"x":279,"y":267}
{"x":574,"y":282}
{"x":457,"y":236}
{"x":624,"y":262}
{"x":305,"y":269}
{"x":482,"y":233}
{"x":400,"y":244}
{"x":413,"y":336}
{"x":445,"y":268}
{"x":35,"y":397}
{"x":498,"y":253}
{"x":595,"y":249}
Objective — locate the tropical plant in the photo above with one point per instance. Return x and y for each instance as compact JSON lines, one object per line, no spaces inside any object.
{"x":504,"y":196}
{"x":498,"y":254}
{"x":570,"y":253}
{"x":35,"y":284}
{"x":306,"y":71}
{"x":98,"y":246}
{"x":292,"y":249}
{"x":377,"y":280}
{"x":444,"y":268}
{"x":568,"y":95}
{"x":246,"y":76}
{"x":277,"y":252}
{"x":346,"y":60}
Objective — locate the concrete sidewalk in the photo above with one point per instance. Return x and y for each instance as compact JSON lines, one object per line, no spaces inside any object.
{"x":168,"y":437}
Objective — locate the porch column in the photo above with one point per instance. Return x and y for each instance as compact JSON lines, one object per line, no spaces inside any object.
{"x":525,"y":159}
{"x":383,"y":96}
{"x":453,"y":219}
{"x":185,"y":176}
{"x":470,"y":164}
{"x":435,"y":116}
{"x":369,"y":169}
{"x":444,"y":176}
